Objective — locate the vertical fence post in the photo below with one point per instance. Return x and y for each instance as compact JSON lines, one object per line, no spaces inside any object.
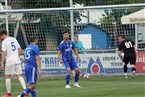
{"x":71,"y":20}
{"x":7,"y":22}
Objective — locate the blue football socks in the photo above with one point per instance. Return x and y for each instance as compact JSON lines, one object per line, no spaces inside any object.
{"x":26,"y":91}
{"x":67,"y":78}
{"x":33,"y":93}
{"x":76,"y":77}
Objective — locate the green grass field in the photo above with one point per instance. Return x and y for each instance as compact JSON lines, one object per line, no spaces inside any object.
{"x":97,"y":86}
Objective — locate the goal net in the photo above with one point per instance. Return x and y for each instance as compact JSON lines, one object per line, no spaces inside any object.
{"x":96,"y":27}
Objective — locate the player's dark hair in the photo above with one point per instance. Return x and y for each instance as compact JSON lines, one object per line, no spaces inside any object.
{"x":122,"y":36}
{"x":33,"y":38}
{"x":66,"y":32}
{"x":3,"y":32}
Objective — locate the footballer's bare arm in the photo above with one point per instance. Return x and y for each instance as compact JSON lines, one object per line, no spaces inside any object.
{"x":3,"y":60}
{"x":59,"y":57}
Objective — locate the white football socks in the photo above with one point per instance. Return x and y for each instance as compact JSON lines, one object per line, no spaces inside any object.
{"x":22,"y":81}
{"x":8,"y":85}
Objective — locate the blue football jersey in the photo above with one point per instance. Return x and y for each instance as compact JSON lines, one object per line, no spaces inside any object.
{"x":66,"y":49}
{"x":30,"y":52}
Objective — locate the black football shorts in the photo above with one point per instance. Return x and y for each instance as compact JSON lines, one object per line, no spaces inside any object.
{"x":131,"y":58}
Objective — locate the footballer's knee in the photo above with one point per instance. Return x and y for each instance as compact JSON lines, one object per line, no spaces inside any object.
{"x":77,"y":71}
{"x":69,"y":71}
{"x":7,"y":76}
{"x":18,"y":75}
{"x":32,"y":86}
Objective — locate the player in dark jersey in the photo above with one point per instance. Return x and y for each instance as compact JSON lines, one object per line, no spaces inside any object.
{"x":65,"y":55}
{"x":128,"y":48}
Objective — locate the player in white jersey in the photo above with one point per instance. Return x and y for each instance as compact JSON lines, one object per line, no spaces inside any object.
{"x":10,"y":61}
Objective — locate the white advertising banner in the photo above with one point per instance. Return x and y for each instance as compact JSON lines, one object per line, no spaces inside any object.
{"x":91,"y":63}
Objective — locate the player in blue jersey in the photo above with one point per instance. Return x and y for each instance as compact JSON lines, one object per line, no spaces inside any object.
{"x":65,"y":55}
{"x":32,"y":65}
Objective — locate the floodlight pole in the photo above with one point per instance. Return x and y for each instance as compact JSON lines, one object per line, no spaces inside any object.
{"x":71,"y":20}
{"x":7,"y":21}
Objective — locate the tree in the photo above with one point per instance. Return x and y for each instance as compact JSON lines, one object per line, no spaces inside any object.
{"x":29,"y":4}
{"x":106,"y":2}
{"x":124,"y":1}
{"x":115,"y":15}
